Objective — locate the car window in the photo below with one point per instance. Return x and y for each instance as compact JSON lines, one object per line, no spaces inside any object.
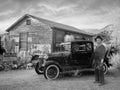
{"x":79,"y":47}
{"x":65,"y":46}
{"x":88,"y":47}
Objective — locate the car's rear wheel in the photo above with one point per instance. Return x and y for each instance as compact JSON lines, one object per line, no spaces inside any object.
{"x":38,"y":69}
{"x":51,"y":72}
{"x":105,"y":68}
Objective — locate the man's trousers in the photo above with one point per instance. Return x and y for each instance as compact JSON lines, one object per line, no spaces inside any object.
{"x":99,"y":74}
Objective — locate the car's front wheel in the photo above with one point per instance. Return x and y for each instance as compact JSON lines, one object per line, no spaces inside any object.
{"x":105,"y":68}
{"x":51,"y":72}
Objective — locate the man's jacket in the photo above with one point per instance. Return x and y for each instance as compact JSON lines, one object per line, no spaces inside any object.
{"x":99,"y":54}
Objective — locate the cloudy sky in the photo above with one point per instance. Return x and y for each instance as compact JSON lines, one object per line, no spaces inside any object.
{"x":83,"y":14}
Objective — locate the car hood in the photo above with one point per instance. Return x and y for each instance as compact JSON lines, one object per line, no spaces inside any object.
{"x":59,"y":54}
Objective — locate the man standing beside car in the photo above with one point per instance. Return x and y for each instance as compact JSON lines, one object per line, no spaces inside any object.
{"x":99,"y":54}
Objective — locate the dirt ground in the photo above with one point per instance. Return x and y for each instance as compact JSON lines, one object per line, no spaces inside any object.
{"x":29,"y":80}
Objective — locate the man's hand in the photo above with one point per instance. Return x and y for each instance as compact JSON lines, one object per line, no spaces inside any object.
{"x":101,"y":63}
{"x":102,"y":60}
{"x":93,"y":63}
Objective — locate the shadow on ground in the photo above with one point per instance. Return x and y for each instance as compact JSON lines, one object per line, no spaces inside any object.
{"x":69,"y":76}
{"x":111,"y":73}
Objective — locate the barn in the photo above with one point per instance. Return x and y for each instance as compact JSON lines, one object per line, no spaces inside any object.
{"x":31,"y":33}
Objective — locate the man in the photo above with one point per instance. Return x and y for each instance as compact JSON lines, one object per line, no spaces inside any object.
{"x":98,"y":60}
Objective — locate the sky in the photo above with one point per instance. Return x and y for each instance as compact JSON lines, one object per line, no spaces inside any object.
{"x":82,"y":14}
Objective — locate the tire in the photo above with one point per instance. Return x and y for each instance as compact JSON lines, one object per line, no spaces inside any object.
{"x":105,"y":68}
{"x":38,"y":69}
{"x":51,"y":72}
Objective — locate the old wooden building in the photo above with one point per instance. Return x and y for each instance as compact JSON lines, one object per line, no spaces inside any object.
{"x":30,"y":32}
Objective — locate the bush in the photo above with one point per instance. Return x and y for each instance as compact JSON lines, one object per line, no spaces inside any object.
{"x":115,"y":60}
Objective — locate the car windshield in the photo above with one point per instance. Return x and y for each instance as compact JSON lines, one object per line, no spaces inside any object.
{"x":65,"y":46}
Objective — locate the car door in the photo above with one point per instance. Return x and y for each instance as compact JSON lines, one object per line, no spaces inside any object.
{"x":89,"y":54}
{"x":81,"y":55}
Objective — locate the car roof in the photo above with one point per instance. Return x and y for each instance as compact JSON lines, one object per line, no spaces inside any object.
{"x":65,"y":43}
{"x":85,"y":41}
{"x":77,"y":41}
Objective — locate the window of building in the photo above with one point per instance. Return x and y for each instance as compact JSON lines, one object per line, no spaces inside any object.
{"x":59,"y":38}
{"x":28,"y":22}
{"x":23,"y":41}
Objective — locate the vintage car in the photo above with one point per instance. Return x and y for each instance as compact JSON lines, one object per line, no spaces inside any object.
{"x":73,"y":56}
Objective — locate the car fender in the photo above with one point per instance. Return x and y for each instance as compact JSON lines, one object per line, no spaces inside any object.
{"x":107,"y":63}
{"x":53,"y":62}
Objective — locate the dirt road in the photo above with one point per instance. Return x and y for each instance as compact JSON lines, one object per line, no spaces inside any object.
{"x":29,"y":80}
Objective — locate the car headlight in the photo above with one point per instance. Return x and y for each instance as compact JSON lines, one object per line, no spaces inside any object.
{"x":44,"y":61}
{"x":45,"y":57}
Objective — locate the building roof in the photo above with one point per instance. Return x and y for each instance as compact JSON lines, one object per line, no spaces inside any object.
{"x":49,"y":23}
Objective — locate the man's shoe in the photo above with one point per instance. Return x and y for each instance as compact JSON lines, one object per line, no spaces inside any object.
{"x":101,"y":84}
{"x":95,"y":82}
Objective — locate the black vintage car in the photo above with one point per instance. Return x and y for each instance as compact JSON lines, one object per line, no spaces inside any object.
{"x":73,"y":56}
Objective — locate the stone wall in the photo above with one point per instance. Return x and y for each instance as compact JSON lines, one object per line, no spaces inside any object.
{"x":38,"y":35}
{"x":42,"y":31}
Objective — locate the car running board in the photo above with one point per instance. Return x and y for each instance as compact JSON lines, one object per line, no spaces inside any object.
{"x":78,"y":71}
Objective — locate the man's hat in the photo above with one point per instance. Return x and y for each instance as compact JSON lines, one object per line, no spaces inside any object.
{"x":98,"y":37}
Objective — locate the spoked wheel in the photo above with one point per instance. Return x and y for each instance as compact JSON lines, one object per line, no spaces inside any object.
{"x":105,"y":68}
{"x":51,"y":72}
